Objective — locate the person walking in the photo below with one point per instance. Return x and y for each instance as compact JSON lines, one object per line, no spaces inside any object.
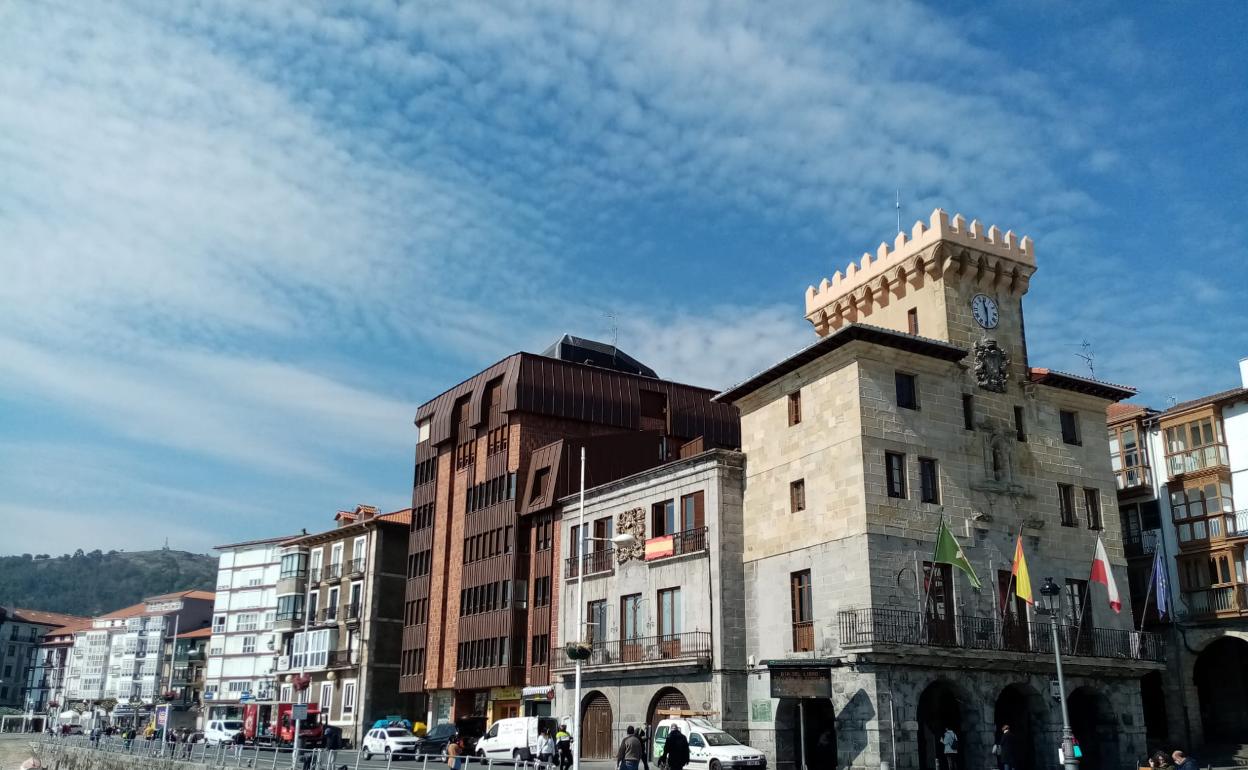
{"x":1183,"y":762}
{"x":645,"y":748}
{"x":333,"y":742}
{"x":237,"y":741}
{"x":546,"y":747}
{"x":631,"y":751}
{"x":949,"y":741}
{"x":454,"y":753}
{"x":675,"y":750}
{"x":563,"y":745}
{"x":1006,"y":749}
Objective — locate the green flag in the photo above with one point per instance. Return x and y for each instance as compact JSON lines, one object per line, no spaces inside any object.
{"x":948,"y":551}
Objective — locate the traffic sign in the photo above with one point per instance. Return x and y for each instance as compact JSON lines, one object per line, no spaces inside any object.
{"x":1055,"y":689}
{"x":299,"y":710}
{"x":244,"y":697}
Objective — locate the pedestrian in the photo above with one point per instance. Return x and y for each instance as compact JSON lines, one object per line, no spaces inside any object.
{"x":454,"y":753}
{"x":546,"y":747}
{"x":563,"y":744}
{"x":1006,"y":749}
{"x":333,"y":742}
{"x":950,"y":754}
{"x":675,"y":750}
{"x":238,"y":741}
{"x":1183,"y":762}
{"x":1159,"y":760}
{"x":631,"y":751}
{"x":645,"y":748}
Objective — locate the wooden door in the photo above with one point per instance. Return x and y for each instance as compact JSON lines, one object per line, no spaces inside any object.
{"x":596,"y":728}
{"x":1015,"y":634}
{"x":630,"y":628}
{"x":940,"y":619}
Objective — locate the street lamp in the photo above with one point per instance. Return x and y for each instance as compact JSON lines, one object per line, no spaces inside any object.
{"x":622,"y":540}
{"x":1051,"y":595}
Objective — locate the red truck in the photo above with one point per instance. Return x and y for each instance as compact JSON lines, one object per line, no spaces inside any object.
{"x":271,"y":723}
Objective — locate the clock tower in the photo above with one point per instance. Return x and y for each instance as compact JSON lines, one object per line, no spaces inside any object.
{"x":949,"y":280}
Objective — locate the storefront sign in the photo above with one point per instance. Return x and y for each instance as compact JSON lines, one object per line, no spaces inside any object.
{"x":801,"y":682}
{"x":538,"y":693}
{"x":505,"y":693}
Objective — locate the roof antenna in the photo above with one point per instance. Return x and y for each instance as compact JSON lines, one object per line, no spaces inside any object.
{"x":898,"y":209}
{"x":613,"y":327}
{"x":1088,"y":356}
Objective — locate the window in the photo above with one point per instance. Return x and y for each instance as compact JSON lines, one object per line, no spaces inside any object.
{"x":797,"y":495}
{"x":803,"y":613}
{"x":907,"y":390}
{"x":541,"y":649}
{"x":630,"y":616}
{"x":669,"y":612}
{"x":1198,"y":509}
{"x":247,"y":621}
{"x":1195,"y":445}
{"x":1020,"y":427}
{"x":968,"y":411}
{"x":249,"y":644}
{"x":895,"y":470}
{"x":912,"y":320}
{"x":663,"y":518}
{"x":327,"y":698}
{"x":541,"y":591}
{"x":1092,"y":501}
{"x":795,"y":407}
{"x":1066,"y":504}
{"x":294,"y":565}
{"x":1070,"y":427}
{"x":539,"y":484}
{"x":929,"y":480}
{"x":596,"y":620}
{"x":348,"y":697}
{"x":218,"y":624}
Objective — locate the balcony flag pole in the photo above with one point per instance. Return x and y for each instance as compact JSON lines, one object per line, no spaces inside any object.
{"x":580,"y":596}
{"x":949,"y":551}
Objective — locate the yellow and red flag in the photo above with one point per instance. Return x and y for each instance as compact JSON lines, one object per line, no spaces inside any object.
{"x":1022,"y":579}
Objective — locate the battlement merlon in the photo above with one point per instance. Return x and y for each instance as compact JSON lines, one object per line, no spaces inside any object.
{"x":997,"y":256}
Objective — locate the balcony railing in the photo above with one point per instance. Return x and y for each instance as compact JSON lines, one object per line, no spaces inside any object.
{"x":332,"y":572}
{"x":1236,"y":524}
{"x":355,"y":567}
{"x":803,"y":636}
{"x":596,"y":562}
{"x":343,"y":658}
{"x":292,"y":573}
{"x":1211,"y":602}
{"x":327,"y":615}
{"x":691,"y":646}
{"x":676,"y":544}
{"x":1196,"y":459}
{"x":872,"y":626}
{"x":1132,"y":477}
{"x":1143,"y":544}
{"x":288,"y":616}
{"x":314,"y":575}
{"x":351,"y":612}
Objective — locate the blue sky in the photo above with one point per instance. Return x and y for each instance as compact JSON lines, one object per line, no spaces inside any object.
{"x":240,"y":242}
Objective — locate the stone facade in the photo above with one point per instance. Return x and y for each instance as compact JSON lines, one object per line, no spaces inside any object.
{"x":891,"y":659}
{"x":699,"y":662}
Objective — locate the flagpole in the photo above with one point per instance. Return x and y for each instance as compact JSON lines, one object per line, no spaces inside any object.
{"x":1152,"y":578}
{"x":1009,"y":586}
{"x":1087,"y":594}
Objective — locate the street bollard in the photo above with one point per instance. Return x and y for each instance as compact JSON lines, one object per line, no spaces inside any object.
{"x":358,"y":753}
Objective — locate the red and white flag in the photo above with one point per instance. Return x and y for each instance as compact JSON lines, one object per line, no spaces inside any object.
{"x":1102,"y":574}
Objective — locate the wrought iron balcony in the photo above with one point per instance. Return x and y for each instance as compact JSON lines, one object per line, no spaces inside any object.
{"x":343,"y":658}
{"x":692,"y":647}
{"x":875,"y":626}
{"x":332,"y":572}
{"x":355,"y":567}
{"x":1142,"y":544}
{"x":676,"y":544}
{"x":351,"y":612}
{"x":597,"y":562}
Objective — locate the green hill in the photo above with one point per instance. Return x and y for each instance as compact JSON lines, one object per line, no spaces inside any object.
{"x":97,"y":582}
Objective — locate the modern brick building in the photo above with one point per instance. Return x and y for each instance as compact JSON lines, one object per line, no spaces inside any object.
{"x":494,"y":455}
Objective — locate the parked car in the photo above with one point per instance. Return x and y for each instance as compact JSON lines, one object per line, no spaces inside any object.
{"x":221,"y":730}
{"x":436,"y":739}
{"x":393,"y":742}
{"x":709,"y":746}
{"x":511,"y":737}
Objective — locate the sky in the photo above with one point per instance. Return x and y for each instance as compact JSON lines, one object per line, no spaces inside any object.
{"x":241,"y":242}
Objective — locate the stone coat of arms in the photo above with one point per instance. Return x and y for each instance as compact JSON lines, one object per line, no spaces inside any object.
{"x":632,"y":522}
{"x":992,"y":365}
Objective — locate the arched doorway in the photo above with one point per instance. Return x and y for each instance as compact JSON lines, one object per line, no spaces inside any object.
{"x":665,"y":699}
{"x":806,"y":728}
{"x":1095,"y":725}
{"x":1153,"y":700}
{"x":1022,"y":708}
{"x":940,"y":707}
{"x":596,"y":723}
{"x":1221,"y":677}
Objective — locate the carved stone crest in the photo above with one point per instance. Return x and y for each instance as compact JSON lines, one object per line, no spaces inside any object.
{"x":631,"y":522}
{"x":992,"y":365}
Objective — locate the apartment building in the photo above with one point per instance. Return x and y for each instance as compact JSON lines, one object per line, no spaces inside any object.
{"x":664,"y":617}
{"x":186,"y":680}
{"x":243,"y":650}
{"x":45,"y":686}
{"x":21,"y":634}
{"x":1182,"y":479}
{"x":340,"y":617}
{"x":124,"y":656}
{"x":918,"y":405}
{"x":483,"y":522}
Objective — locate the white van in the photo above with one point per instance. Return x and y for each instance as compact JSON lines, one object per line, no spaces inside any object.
{"x":510,"y":737}
{"x":709,"y":746}
{"x":221,"y":730}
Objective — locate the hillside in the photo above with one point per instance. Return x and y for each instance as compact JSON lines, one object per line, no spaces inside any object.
{"x":95,"y":583}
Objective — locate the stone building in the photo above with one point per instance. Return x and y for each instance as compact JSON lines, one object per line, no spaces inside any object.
{"x":340,"y":617}
{"x":917,"y":404}
{"x":492,"y":458}
{"x":34,"y":648}
{"x":664,"y":618}
{"x":1182,"y":477}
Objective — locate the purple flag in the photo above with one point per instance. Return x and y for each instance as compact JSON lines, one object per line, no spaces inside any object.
{"x":1160,"y":583}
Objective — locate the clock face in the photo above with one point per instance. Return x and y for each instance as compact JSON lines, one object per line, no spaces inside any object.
{"x":984,"y":309}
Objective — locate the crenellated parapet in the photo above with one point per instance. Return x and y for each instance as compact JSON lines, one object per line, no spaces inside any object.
{"x":943,"y":247}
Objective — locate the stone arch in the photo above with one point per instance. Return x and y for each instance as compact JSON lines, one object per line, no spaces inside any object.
{"x":1221,"y":678}
{"x":1021,"y":707}
{"x":1095,"y":724}
{"x":944,"y":704}
{"x":667,"y":697}
{"x":597,"y":726}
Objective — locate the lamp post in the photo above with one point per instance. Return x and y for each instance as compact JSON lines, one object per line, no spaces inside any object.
{"x":1051,"y":595}
{"x":623,"y":540}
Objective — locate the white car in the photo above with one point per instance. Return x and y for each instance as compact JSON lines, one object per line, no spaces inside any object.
{"x":509,"y":738}
{"x":391,"y":741}
{"x":709,"y":746}
{"x":221,"y":730}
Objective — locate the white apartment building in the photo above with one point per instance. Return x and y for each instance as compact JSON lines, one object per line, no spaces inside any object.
{"x":243,"y":649}
{"x":125,"y":655}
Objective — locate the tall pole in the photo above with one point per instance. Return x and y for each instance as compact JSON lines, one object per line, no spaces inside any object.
{"x":173,"y":654}
{"x":1069,"y":761}
{"x":580,"y":623}
{"x":303,"y":664}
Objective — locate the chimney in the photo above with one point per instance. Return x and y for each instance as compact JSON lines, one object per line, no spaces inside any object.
{"x":1243,"y":372}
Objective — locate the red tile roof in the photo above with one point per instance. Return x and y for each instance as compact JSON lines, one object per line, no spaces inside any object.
{"x":1227,"y":395}
{"x":69,"y":629}
{"x":191,"y":594}
{"x":133,"y":610}
{"x":1115,"y":412}
{"x":399,"y":517}
{"x":199,"y":633}
{"x":55,"y":619}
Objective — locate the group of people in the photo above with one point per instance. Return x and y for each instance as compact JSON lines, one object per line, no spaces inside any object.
{"x":1181,"y":761}
{"x":555,"y":746}
{"x":634,"y":750}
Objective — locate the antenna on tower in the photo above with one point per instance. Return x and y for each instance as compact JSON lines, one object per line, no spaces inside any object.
{"x":613,"y":327}
{"x":898,"y":209}
{"x":1088,"y":356}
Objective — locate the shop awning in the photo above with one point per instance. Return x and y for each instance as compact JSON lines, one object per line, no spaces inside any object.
{"x":543,"y":691}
